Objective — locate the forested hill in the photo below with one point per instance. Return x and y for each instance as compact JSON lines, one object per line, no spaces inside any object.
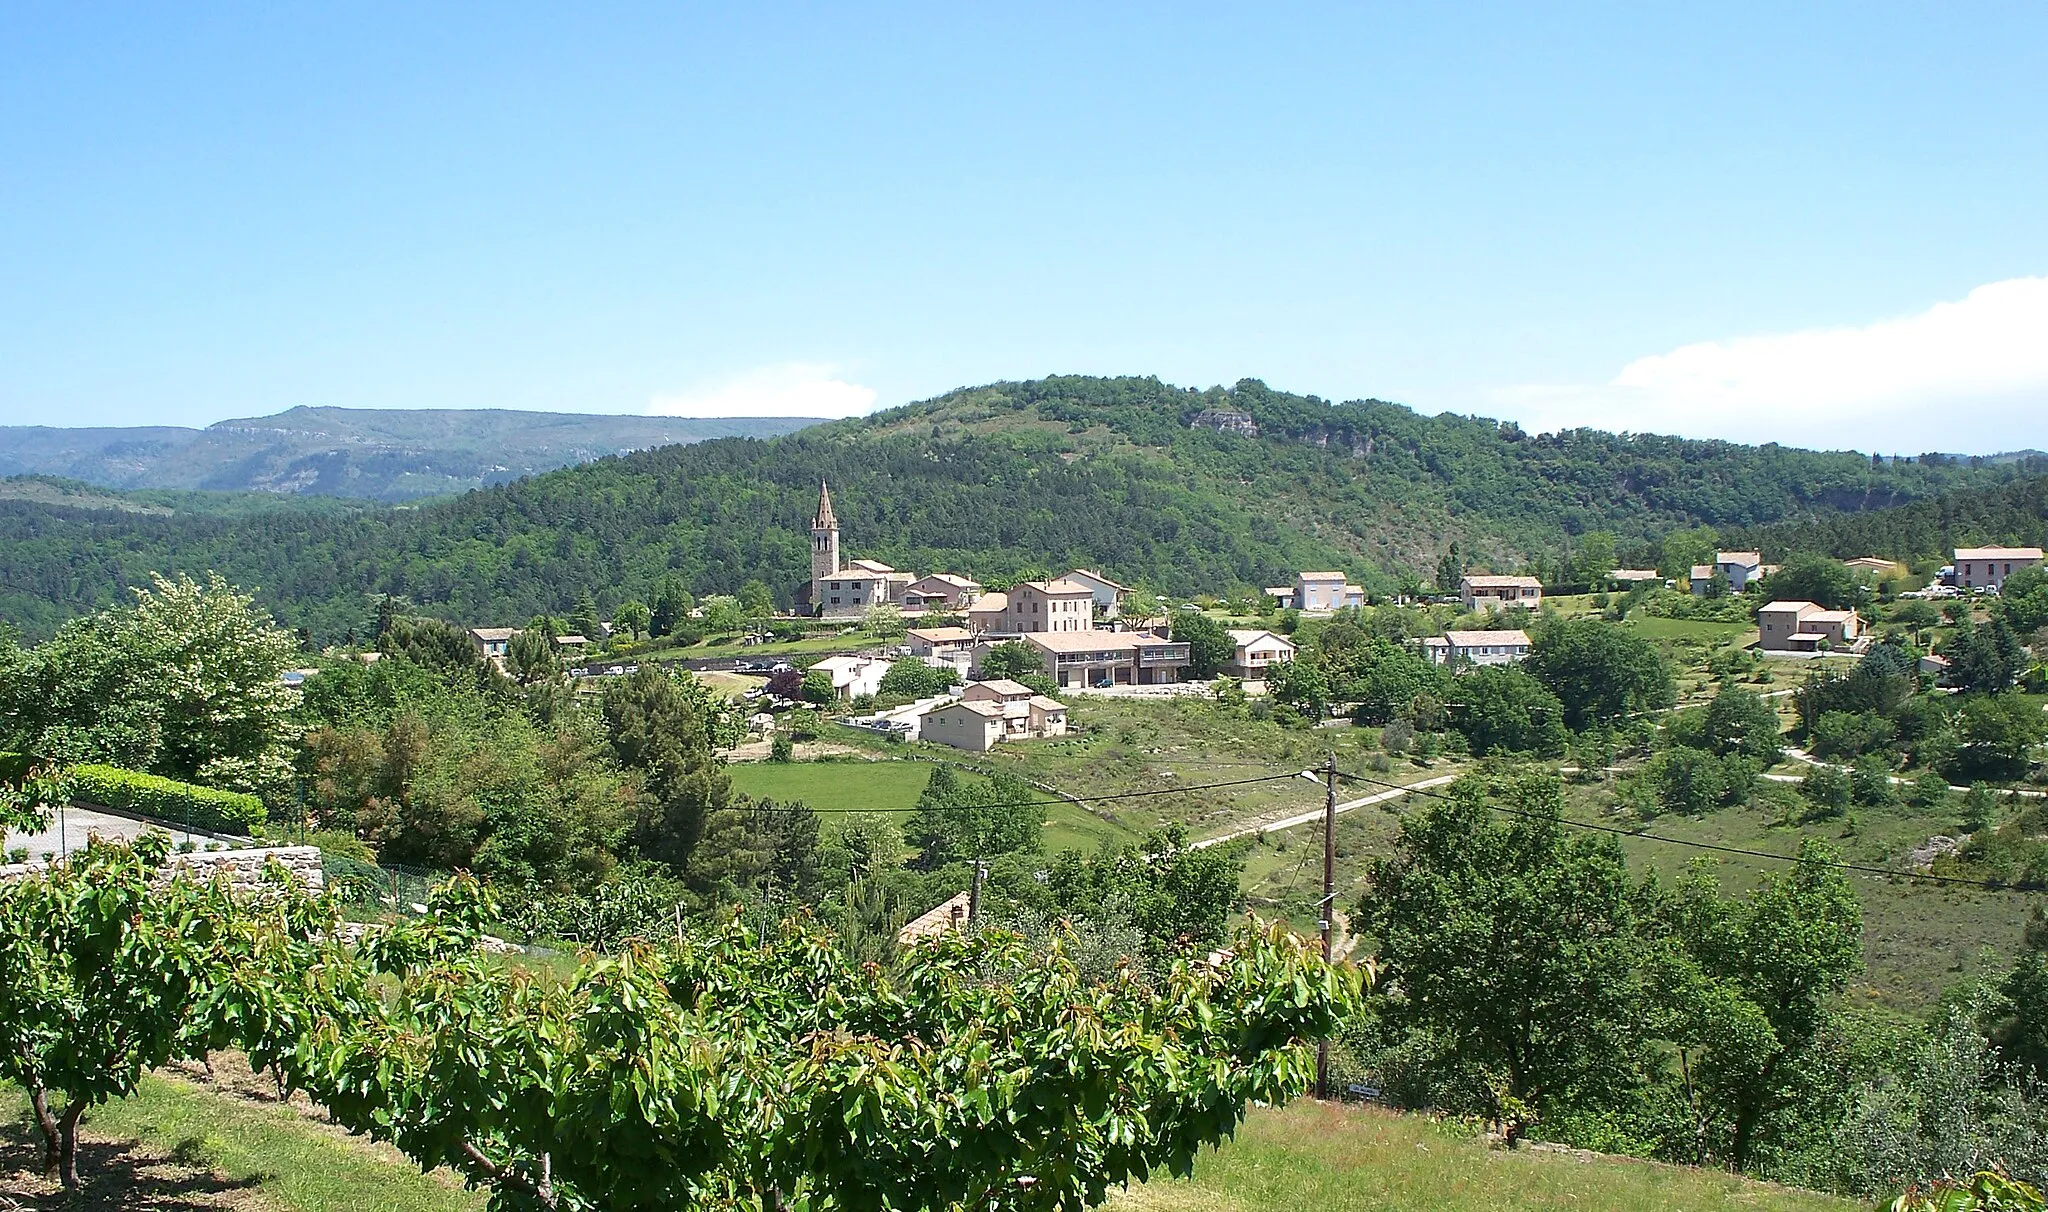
{"x":378,"y":454}
{"x":2014,"y":513}
{"x":1181,"y":490}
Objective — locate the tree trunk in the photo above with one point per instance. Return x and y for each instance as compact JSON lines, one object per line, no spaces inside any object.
{"x":67,"y":1158}
{"x":46,"y":1123}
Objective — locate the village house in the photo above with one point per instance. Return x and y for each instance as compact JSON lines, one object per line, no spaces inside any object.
{"x":1987,"y":567}
{"x":1629,"y":578}
{"x":1935,"y":668}
{"x":1805,"y":627}
{"x":939,"y":642}
{"x":853,"y":677}
{"x":1739,"y":567}
{"x":950,"y":914}
{"x":1876,"y":566}
{"x":1482,"y":592}
{"x":1115,"y":658}
{"x":941,"y":591}
{"x":1317,"y":592}
{"x":987,"y":713}
{"x":1108,"y":595}
{"x":492,"y":642}
{"x":1463,"y":648}
{"x":1257,"y":651}
{"x":571,"y":645}
{"x":1030,"y":607}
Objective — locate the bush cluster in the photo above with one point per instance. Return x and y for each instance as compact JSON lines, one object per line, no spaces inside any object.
{"x":167,"y":799}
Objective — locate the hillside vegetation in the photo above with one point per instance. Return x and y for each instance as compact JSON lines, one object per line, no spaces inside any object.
{"x":994,"y":481}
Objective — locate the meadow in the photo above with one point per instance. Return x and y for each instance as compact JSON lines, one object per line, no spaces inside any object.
{"x":178,"y":1145}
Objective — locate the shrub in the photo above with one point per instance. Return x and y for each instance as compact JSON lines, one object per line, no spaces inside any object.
{"x":167,"y":799}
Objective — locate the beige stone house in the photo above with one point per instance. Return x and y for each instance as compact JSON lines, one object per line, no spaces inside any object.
{"x":988,"y":713}
{"x":1033,"y":607}
{"x":1484,"y":592}
{"x":1805,"y":627}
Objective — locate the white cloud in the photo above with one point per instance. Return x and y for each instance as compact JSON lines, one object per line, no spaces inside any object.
{"x":1970,"y":375}
{"x":794,"y":389}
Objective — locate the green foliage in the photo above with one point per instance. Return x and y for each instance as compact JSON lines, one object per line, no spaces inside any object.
{"x":816,"y":687}
{"x":1998,"y":735}
{"x":1504,"y":710}
{"x":1745,"y":986}
{"x":2023,"y":600}
{"x":1695,"y":781}
{"x":1508,"y":945}
{"x":1987,"y":1191}
{"x":1828,"y":790}
{"x":166,"y":800}
{"x":1953,"y":1109}
{"x":184,"y":683}
{"x":106,"y":972}
{"x":1179,"y":898}
{"x":1301,"y":686}
{"x":1850,"y":734}
{"x":736,"y":1070}
{"x":1011,"y":659}
{"x":911,"y":678}
{"x":1210,"y":647}
{"x":668,"y":727}
{"x":957,"y":820}
{"x":29,"y":791}
{"x":1820,"y":580}
{"x":1600,"y":672}
{"x":1741,"y":723}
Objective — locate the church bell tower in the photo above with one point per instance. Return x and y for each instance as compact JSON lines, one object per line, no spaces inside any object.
{"x":824,"y":539}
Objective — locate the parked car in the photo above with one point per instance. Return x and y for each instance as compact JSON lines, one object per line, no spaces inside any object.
{"x":1105,"y":683}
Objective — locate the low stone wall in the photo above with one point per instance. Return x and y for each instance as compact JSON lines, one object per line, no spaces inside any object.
{"x":244,"y":868}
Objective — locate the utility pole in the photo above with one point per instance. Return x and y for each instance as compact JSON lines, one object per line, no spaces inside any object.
{"x":974,"y":891}
{"x":1329,"y":903}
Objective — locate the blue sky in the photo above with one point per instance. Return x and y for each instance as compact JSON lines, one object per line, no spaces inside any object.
{"x":1824,"y":224}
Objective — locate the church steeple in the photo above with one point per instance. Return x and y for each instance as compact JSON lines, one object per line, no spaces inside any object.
{"x":824,"y":541}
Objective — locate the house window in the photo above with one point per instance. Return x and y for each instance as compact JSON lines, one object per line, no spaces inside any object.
{"x":835,"y":600}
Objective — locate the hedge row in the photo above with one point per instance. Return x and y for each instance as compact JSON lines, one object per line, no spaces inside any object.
{"x":166,"y":800}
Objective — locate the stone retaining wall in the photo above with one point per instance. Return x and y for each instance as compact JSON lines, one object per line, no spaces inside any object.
{"x":244,"y":868}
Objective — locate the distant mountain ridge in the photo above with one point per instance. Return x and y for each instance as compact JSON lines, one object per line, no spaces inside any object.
{"x":378,"y":454}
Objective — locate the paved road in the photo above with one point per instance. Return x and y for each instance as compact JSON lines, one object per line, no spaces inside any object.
{"x":80,"y":824}
{"x":1309,"y":818}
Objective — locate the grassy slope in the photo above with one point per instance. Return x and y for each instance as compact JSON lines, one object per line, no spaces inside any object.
{"x":1309,"y":1156}
{"x":197,"y":1148}
{"x":175,"y":1142}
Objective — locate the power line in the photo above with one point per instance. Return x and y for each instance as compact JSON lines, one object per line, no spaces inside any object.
{"x":1839,"y":865}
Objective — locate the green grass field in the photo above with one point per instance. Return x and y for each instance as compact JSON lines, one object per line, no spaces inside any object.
{"x":180,"y":1146}
{"x":1311,"y":1156}
{"x":882,"y":786}
{"x":893,"y":785}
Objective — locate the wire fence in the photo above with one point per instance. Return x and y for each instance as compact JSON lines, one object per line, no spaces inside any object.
{"x":394,"y":887}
